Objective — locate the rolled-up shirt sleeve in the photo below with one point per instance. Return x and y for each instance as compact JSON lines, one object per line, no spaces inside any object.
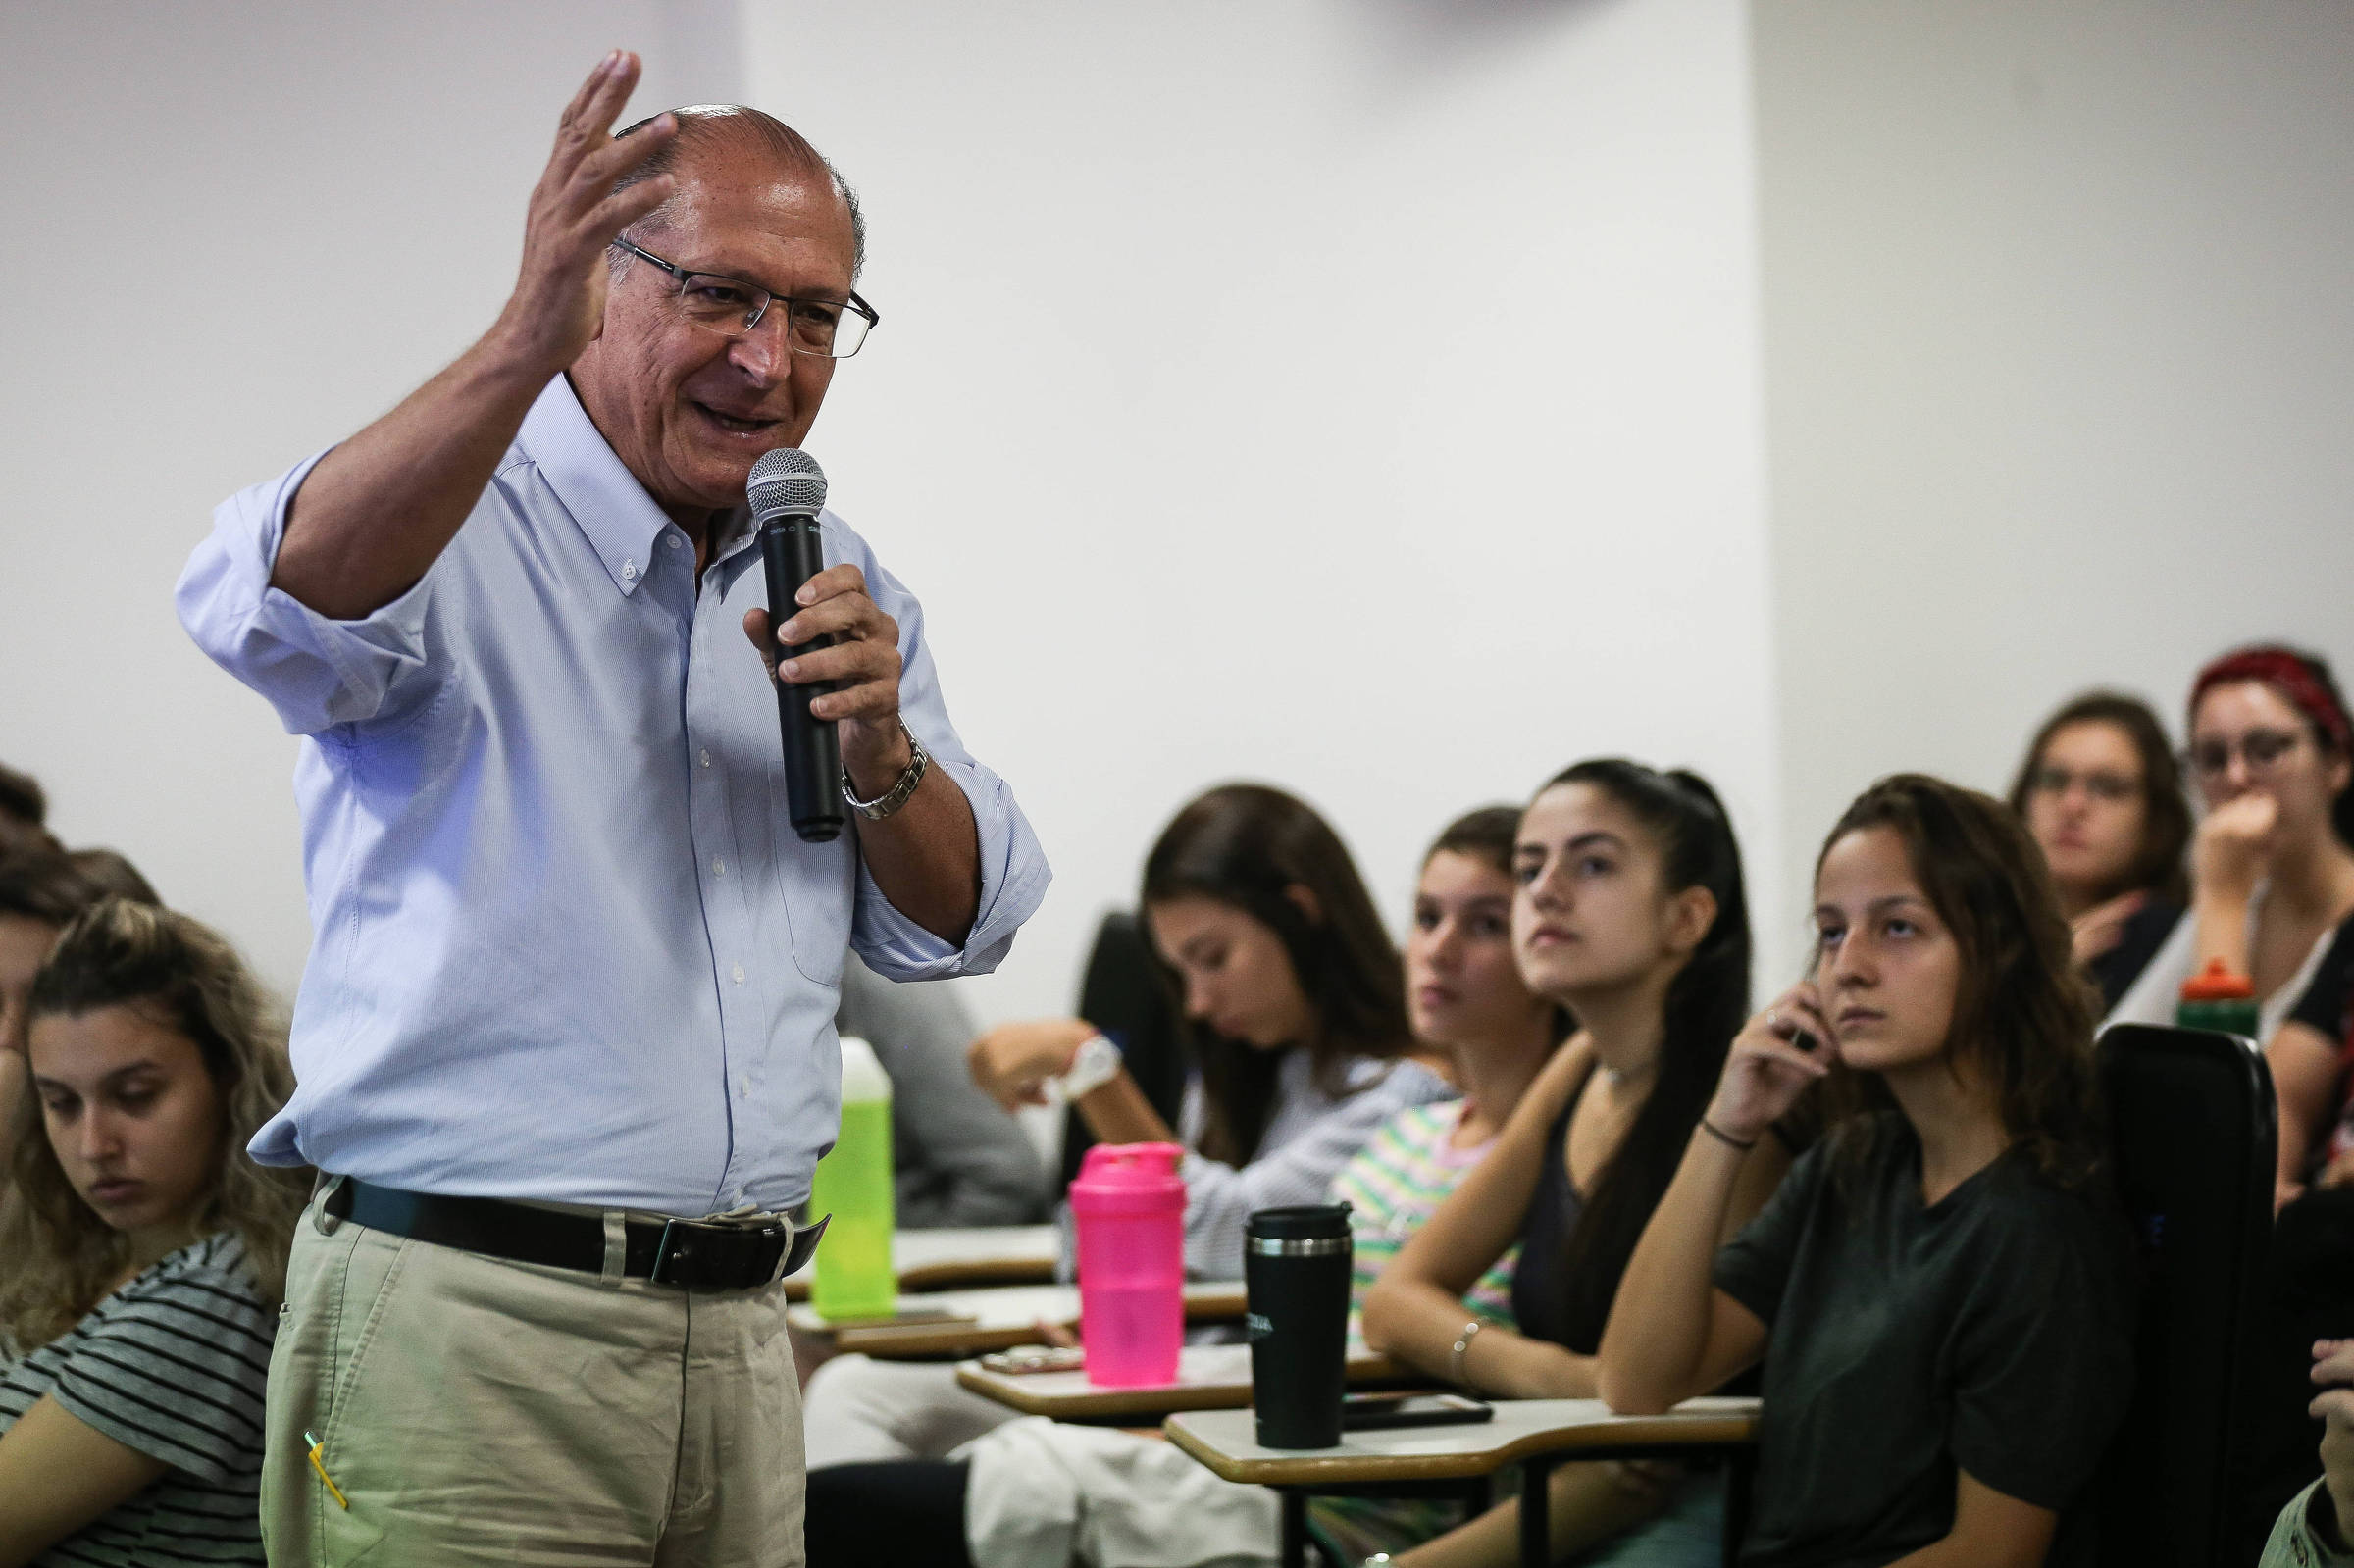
{"x":1013,"y":866}
{"x":314,"y":671}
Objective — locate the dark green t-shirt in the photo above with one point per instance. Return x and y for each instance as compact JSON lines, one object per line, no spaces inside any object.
{"x":1991,"y":1331}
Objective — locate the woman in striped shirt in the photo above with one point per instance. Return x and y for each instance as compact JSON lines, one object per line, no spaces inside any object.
{"x":145,"y":1253}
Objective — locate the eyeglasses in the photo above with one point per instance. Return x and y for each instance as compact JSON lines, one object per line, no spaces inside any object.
{"x":2109,"y":788}
{"x":2261,"y":749}
{"x":829,"y":329}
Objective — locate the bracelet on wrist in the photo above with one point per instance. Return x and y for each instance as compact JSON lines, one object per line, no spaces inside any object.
{"x":919,"y":761}
{"x":1725,"y":1138}
{"x":1462,"y":1346}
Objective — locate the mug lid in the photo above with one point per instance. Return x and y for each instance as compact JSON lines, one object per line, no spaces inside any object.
{"x":1305,"y":1223}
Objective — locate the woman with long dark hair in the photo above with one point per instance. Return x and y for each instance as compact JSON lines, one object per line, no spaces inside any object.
{"x":2102,"y":794}
{"x":1631,"y":913}
{"x":1293,"y":1003}
{"x":1942,"y":1288}
{"x":1292,"y":992}
{"x":145,"y":1253}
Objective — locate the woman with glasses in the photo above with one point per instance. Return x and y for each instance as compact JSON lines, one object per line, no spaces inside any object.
{"x":2272,"y":752}
{"x":2102,"y":794}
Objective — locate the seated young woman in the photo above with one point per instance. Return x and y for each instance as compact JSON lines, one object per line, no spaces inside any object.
{"x":1271,"y":943}
{"x":2273,"y":862}
{"x":2102,"y":794}
{"x":1942,"y":1288}
{"x":146,"y":1253}
{"x":41,"y":890}
{"x":1630,"y":913}
{"x":1301,"y":1037}
{"x":1037,"y":1491}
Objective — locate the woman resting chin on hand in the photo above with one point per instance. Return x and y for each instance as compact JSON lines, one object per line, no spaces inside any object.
{"x":1940,"y":1289}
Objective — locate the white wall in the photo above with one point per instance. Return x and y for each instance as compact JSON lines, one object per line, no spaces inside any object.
{"x":1359,"y":395}
{"x":2059,"y":354}
{"x":234,"y":233}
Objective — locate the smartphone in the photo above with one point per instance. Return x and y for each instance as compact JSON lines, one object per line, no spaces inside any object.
{"x":1367,"y":1412}
{"x":1034,"y":1358}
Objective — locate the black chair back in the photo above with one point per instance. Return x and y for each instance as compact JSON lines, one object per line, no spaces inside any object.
{"x":2192,"y":1121}
{"x":1125,"y":997}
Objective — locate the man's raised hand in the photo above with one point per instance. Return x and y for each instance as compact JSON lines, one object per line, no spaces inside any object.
{"x":575,"y":215}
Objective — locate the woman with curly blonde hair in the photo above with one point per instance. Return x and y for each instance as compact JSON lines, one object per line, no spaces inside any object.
{"x":146,"y":1252}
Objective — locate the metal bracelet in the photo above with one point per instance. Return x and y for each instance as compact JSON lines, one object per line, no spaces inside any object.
{"x":919,"y":761}
{"x":1455,"y":1357}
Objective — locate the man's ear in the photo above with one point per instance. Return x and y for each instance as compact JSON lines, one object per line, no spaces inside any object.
{"x":1306,"y":897}
{"x":1690,"y":914}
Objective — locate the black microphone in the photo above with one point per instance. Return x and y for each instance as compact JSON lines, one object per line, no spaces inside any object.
{"x":787,"y":490}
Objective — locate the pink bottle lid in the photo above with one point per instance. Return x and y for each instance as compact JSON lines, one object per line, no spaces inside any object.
{"x":1127,"y":1179}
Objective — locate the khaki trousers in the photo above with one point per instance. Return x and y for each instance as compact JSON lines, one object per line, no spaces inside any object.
{"x":475,"y":1411}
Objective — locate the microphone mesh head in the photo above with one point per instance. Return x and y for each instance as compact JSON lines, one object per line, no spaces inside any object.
{"x":786,"y":482}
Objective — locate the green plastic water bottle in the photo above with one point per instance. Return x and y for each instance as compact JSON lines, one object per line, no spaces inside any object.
{"x":855,"y":1275}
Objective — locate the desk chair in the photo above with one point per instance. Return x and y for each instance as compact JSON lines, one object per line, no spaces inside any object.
{"x":2192,"y":1124}
{"x":1125,"y":997}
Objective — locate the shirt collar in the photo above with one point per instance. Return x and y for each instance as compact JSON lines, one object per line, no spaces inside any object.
{"x":620,"y":521}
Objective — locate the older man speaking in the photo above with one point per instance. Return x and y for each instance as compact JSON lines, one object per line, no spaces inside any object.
{"x":565,"y":1037}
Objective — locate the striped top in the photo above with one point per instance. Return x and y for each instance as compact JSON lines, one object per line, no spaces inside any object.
{"x":1396,"y":1181}
{"x":172,"y":1365}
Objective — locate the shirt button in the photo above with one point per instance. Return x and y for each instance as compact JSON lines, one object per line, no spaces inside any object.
{"x":737,"y":973}
{"x":628,"y":571}
{"x":743,"y":1087}
{"x":672,"y":540}
{"x":707,"y":756}
{"x":719,"y":867}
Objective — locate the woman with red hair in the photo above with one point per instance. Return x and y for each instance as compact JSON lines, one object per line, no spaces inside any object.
{"x":2271,"y":751}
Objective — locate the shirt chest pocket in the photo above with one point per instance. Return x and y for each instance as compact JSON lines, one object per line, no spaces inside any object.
{"x":816,"y":886}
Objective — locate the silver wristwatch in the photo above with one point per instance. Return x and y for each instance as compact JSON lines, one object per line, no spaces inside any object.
{"x":892,"y":799}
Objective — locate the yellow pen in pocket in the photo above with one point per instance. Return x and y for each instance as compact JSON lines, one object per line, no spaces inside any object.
{"x":332,"y":1490}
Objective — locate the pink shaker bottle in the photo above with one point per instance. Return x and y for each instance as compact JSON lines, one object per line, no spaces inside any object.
{"x":1129,"y":1205}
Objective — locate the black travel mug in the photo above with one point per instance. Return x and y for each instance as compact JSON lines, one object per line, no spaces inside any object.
{"x":1296,"y":1281}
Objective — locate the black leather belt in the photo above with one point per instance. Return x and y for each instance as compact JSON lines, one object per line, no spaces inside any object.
{"x":714,"y":1254}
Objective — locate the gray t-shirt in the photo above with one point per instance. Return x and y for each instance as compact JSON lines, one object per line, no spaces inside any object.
{"x":172,"y":1365}
{"x":1991,"y":1331}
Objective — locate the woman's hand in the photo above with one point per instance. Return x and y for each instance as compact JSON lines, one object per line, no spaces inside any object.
{"x":1013,"y":1061}
{"x":2101,"y":928}
{"x":1765,"y":1071}
{"x":2227,"y":855}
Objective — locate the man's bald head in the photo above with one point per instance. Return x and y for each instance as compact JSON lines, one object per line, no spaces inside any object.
{"x":711,"y":134}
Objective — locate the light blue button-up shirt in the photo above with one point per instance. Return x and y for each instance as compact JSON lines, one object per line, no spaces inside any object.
{"x":567,"y":945}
